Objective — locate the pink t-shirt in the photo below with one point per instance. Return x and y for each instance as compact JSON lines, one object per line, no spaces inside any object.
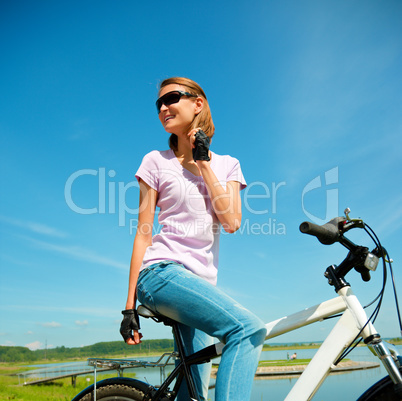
{"x":189,"y":228}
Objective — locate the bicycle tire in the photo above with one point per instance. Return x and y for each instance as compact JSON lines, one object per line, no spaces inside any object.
{"x":115,"y":392}
{"x":383,"y":390}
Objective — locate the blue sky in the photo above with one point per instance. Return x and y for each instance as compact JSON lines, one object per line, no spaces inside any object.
{"x":306,"y":94}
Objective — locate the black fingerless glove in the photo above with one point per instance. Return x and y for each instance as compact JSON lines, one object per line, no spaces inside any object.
{"x":130,"y":322}
{"x":201,"y":143}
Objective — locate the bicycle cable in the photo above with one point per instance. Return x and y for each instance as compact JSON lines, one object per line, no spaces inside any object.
{"x":385,"y":260}
{"x":380,"y":294}
{"x":379,"y":297}
{"x":388,"y":261}
{"x":395,"y":295}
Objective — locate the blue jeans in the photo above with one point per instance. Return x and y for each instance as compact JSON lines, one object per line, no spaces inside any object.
{"x":171,"y":290}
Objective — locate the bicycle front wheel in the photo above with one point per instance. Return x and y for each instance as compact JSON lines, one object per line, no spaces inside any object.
{"x":115,"y":392}
{"x":383,"y":390}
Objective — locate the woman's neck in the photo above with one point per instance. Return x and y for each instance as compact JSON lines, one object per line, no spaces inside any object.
{"x":184,"y":150}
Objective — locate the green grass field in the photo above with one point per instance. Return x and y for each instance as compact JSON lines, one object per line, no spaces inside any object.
{"x":60,"y":390}
{"x":63,"y":390}
{"x":284,"y":362}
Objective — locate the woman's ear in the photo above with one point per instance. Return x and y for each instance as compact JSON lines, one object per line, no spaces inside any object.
{"x":199,"y":104}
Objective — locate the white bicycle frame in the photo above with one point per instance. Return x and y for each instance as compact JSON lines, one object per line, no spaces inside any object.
{"x":348,"y":327}
{"x":352,"y":324}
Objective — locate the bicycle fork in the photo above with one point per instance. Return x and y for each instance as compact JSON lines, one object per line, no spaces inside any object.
{"x":390,"y":358}
{"x":387,"y":353}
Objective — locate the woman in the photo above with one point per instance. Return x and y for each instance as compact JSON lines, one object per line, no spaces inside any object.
{"x":174,"y":272}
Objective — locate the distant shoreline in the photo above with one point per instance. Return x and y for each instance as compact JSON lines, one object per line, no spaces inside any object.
{"x":133,"y":353}
{"x":312,"y":345}
{"x":264,"y":372}
{"x":285,"y":347}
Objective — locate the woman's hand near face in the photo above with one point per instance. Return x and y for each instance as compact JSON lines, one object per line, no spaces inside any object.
{"x":200,"y":146}
{"x":226,"y":202}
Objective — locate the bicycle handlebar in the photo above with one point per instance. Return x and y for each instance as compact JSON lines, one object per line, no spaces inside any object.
{"x":328,"y":233}
{"x":358,"y":257}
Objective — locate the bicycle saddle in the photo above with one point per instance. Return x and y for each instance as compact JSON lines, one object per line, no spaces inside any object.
{"x":143,"y":311}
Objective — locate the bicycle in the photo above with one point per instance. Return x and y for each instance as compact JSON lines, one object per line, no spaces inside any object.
{"x":352,"y":327}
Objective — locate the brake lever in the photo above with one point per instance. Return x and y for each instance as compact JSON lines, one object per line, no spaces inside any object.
{"x":351,"y":223}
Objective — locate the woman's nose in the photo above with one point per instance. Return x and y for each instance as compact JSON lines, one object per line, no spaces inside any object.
{"x":163,"y":107}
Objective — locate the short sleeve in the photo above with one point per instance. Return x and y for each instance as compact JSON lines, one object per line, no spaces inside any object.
{"x":235,"y":173}
{"x":148,"y":170}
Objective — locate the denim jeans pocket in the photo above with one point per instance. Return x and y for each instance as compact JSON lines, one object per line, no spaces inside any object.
{"x":143,"y":294}
{"x":145,"y":297}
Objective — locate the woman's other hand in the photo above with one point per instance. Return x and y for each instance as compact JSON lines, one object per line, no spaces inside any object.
{"x":129,"y":328}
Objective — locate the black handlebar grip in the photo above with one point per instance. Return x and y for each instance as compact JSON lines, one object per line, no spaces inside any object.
{"x":327,"y":234}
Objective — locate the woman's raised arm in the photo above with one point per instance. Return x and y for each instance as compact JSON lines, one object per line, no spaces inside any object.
{"x":226,"y":202}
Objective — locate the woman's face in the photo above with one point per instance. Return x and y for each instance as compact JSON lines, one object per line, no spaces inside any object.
{"x":177,"y":117}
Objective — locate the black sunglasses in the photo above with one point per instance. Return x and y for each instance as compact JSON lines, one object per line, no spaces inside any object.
{"x":170,"y":98}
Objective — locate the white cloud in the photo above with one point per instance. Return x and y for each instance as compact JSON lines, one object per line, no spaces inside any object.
{"x":80,"y":253}
{"x":260,"y":255}
{"x":8,"y":344}
{"x":81,"y":323}
{"x":38,"y":228}
{"x":51,"y":324}
{"x":34,"y":346}
{"x":93,"y":311}
{"x":390,"y":218}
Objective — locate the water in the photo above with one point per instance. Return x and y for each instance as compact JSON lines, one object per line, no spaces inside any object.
{"x":345,"y":386}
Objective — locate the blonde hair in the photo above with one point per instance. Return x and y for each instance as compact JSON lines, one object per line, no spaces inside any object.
{"x":203,"y":119}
